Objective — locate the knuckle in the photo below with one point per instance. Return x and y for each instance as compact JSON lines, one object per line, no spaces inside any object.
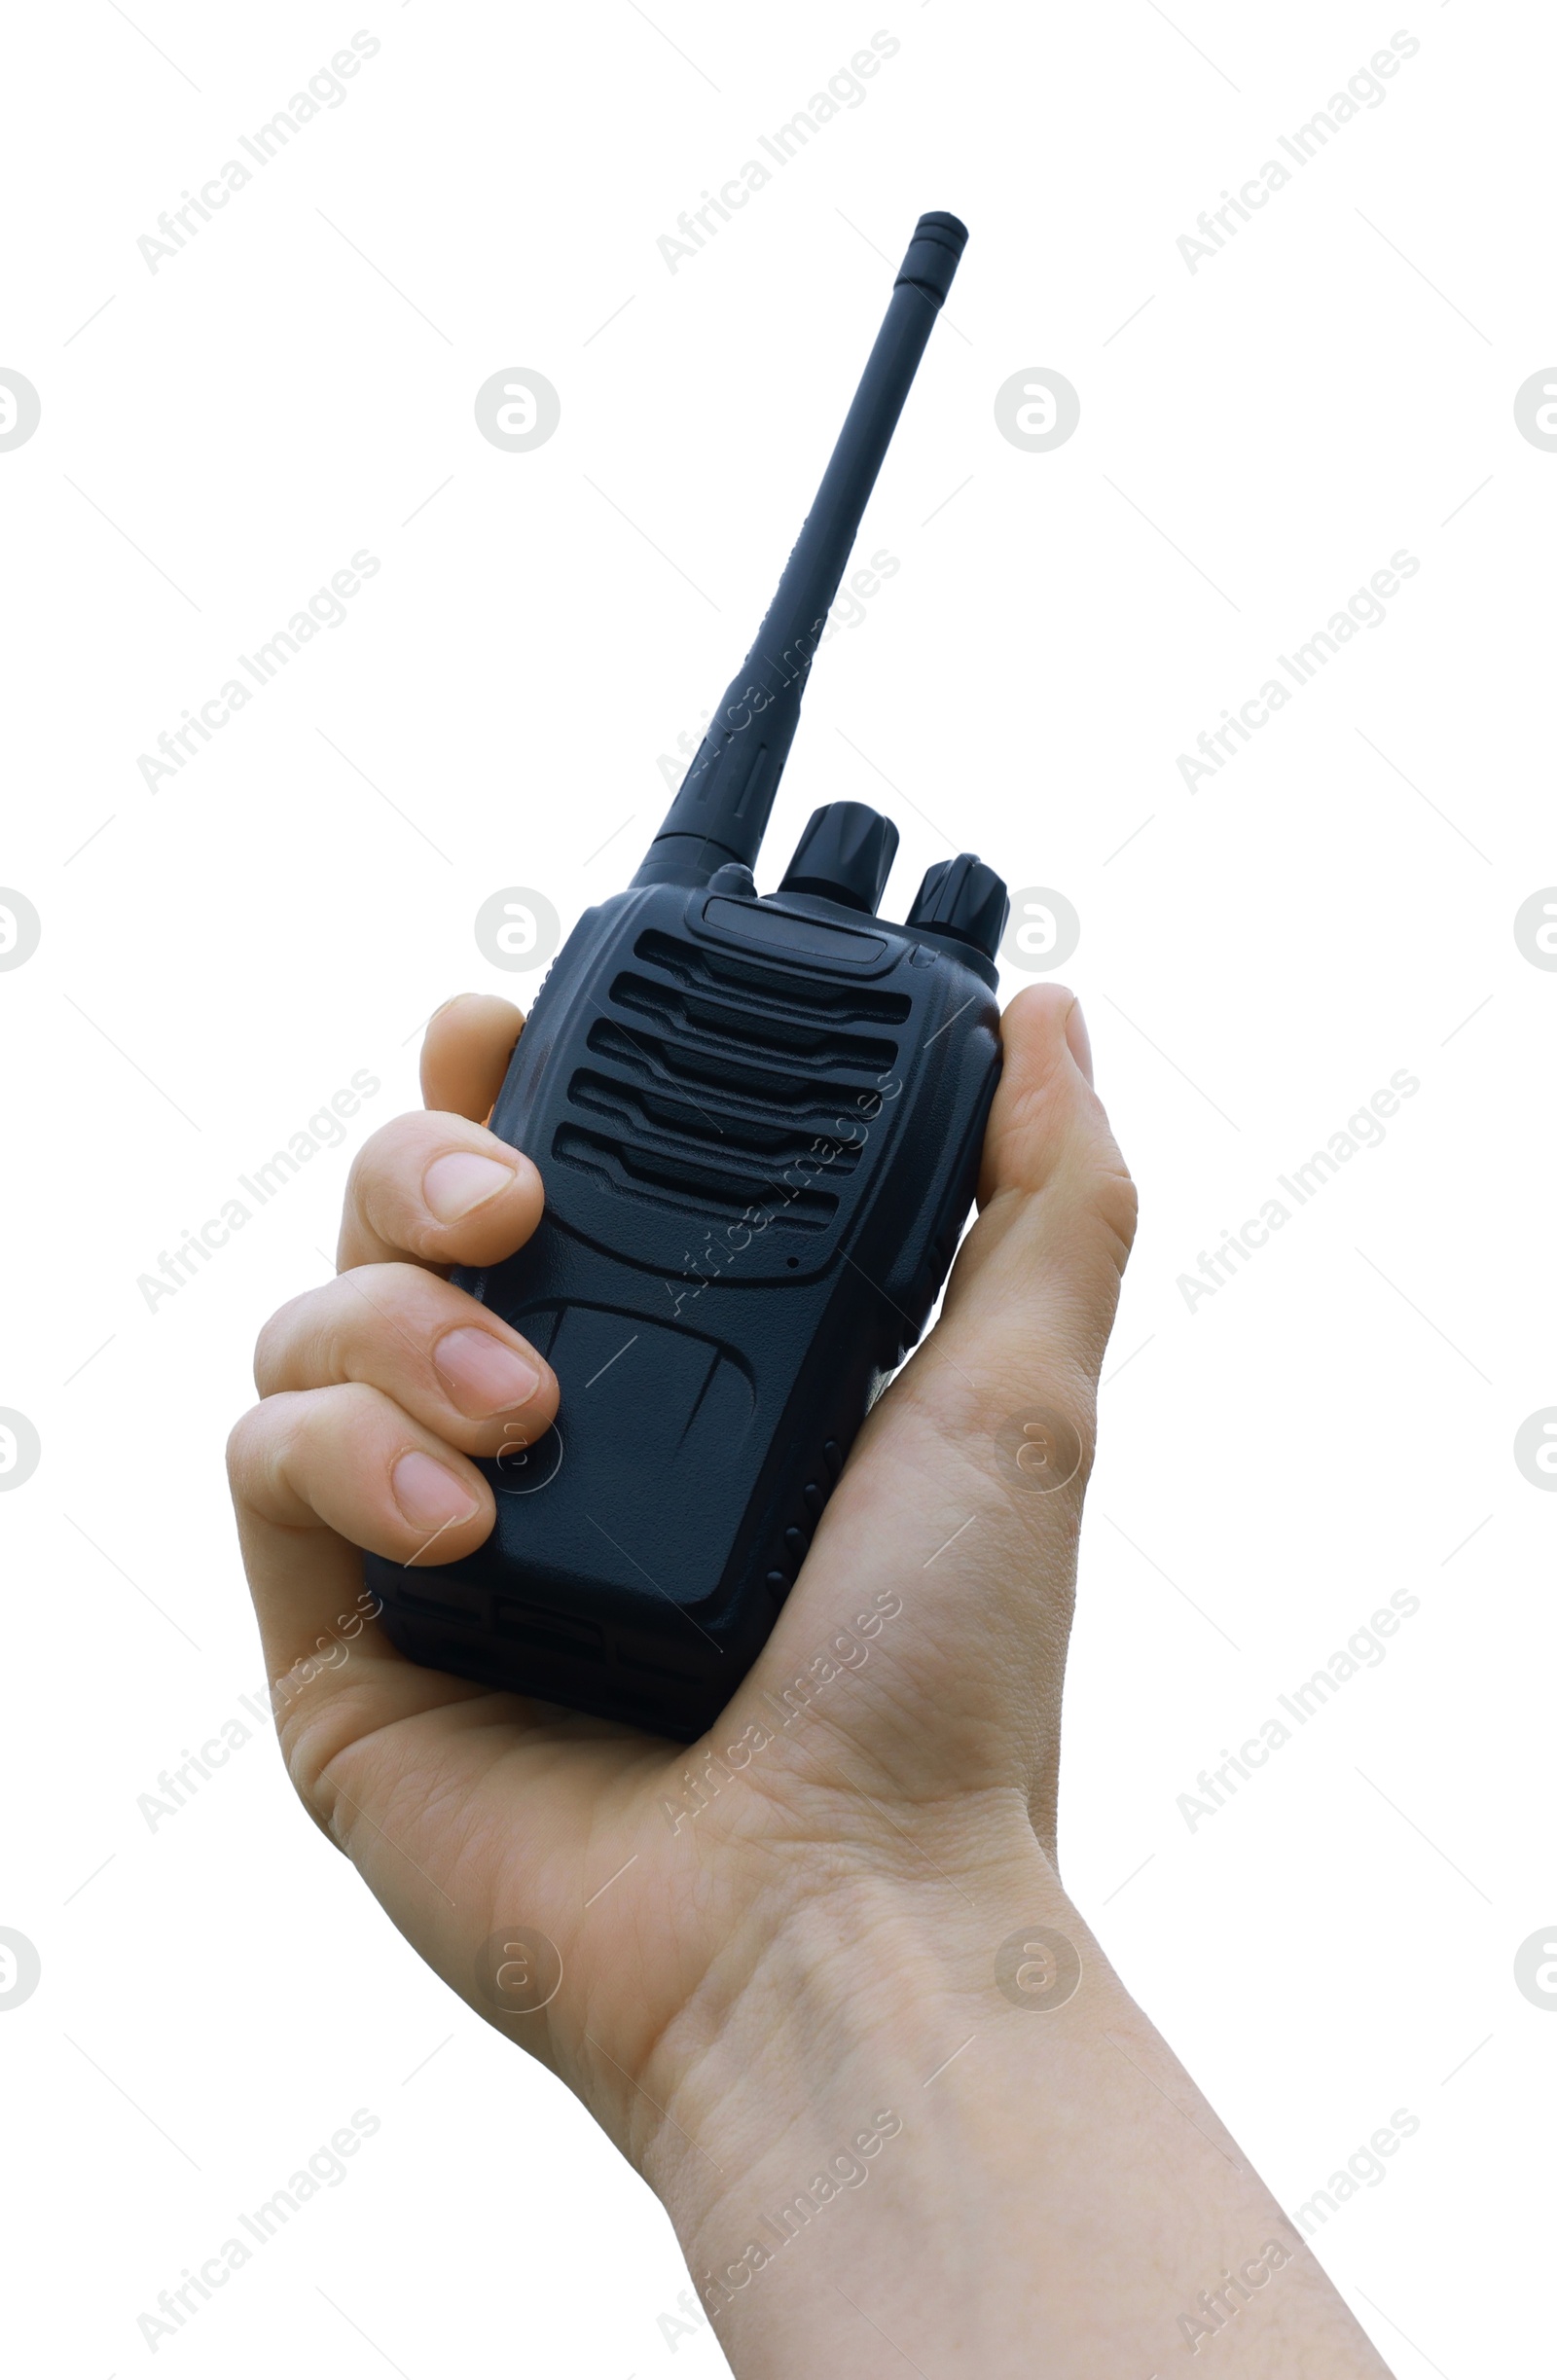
{"x":387,"y":1140}
{"x":241,"y":1447}
{"x":414,"y":1293}
{"x":383,"y":1156}
{"x":390,"y":1318}
{"x":275,"y":1340}
{"x":307,"y":1748}
{"x":259,"y":1450}
{"x":1118,"y":1207}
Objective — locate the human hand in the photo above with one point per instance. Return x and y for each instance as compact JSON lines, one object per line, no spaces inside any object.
{"x":766,"y":1939}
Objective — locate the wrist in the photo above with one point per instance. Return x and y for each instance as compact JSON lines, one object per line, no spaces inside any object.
{"x":824,"y":2085}
{"x":914,"y":2120}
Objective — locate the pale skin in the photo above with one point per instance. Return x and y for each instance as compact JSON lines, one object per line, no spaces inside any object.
{"x":815,"y":1948}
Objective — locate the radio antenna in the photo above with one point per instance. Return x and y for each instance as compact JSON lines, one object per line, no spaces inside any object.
{"x":726,"y":794}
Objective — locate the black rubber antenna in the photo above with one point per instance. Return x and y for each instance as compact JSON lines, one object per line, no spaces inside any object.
{"x":726,"y":796}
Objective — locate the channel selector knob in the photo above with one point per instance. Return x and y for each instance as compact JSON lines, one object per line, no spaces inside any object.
{"x":965,"y":899}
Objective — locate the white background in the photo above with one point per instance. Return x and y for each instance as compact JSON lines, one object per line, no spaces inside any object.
{"x":219,"y":956}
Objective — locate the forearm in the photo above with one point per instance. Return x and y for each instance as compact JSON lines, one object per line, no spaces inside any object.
{"x":883,"y":2162}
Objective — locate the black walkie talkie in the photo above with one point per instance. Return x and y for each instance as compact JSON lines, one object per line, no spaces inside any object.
{"x":758,"y":1120}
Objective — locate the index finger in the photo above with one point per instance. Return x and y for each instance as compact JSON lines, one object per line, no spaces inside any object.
{"x":440,"y":1191}
{"x":402,"y":1201}
{"x":465,"y":1053}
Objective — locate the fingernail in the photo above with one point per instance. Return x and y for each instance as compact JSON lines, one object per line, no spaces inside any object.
{"x":1075,"y":1032}
{"x":481,"y":1374}
{"x":428,"y":1496}
{"x":453,"y":1185}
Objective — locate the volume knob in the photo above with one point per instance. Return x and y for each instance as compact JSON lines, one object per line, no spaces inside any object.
{"x":844,"y":854}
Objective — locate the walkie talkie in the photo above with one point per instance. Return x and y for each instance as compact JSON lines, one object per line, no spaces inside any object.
{"x":758,"y":1120}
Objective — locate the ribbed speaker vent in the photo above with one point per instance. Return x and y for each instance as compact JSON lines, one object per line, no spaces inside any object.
{"x":689,"y":964}
{"x":720,"y":1086}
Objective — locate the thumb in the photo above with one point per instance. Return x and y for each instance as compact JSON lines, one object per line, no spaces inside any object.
{"x":986,"y":1437}
{"x":1031,"y":1299}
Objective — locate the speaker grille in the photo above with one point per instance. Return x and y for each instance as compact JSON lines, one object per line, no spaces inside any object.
{"x":718,"y":1085}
